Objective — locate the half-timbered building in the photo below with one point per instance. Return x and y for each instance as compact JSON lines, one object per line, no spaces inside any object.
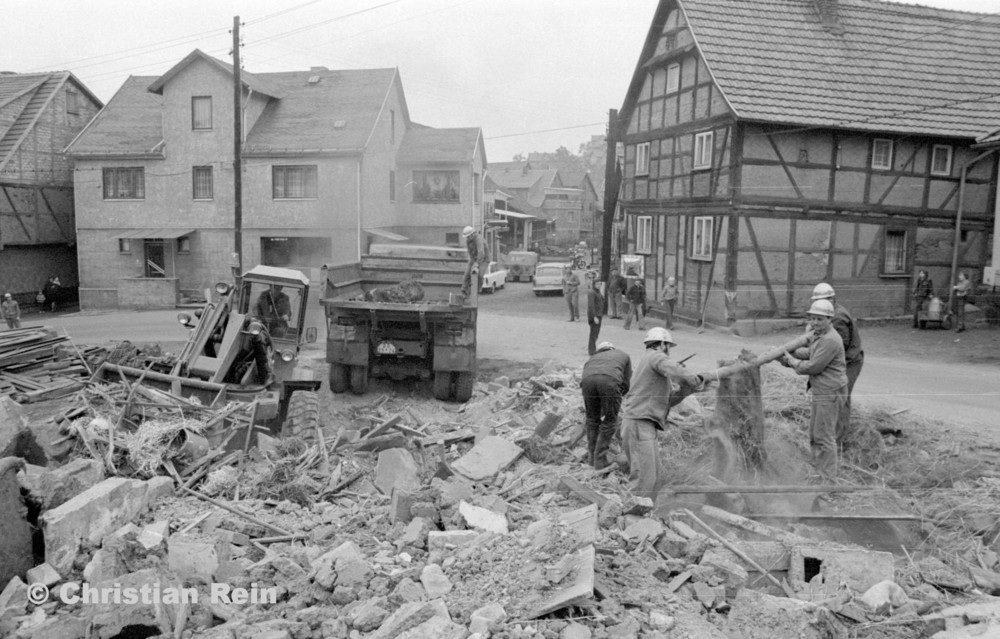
{"x":773,"y":144}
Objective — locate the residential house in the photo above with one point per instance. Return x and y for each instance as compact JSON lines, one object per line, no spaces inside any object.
{"x":39,"y":114}
{"x":773,"y":145}
{"x":330,"y":162}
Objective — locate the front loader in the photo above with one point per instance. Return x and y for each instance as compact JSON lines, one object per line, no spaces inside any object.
{"x":244,"y":346}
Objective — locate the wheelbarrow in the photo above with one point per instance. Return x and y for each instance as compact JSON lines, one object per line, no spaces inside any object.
{"x":935,"y":315}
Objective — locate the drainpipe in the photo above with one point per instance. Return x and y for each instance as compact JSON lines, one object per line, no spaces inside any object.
{"x":958,"y":224}
{"x":357,"y":195}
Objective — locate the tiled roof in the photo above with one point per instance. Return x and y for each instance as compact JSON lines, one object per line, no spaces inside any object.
{"x":337,"y":113}
{"x":334,"y":113}
{"x":887,"y":67}
{"x":247,"y":79}
{"x":444,"y":146}
{"x":130,"y":124}
{"x":14,"y":85}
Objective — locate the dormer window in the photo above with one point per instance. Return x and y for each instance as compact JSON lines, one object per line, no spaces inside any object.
{"x":201,"y":112}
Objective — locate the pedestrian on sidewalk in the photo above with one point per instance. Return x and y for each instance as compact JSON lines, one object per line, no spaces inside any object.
{"x":669,"y":300}
{"x":616,"y":288}
{"x":11,"y":311}
{"x":923,"y":289}
{"x":605,"y":381}
{"x":823,"y":361}
{"x":52,"y":291}
{"x":636,"y":296}
{"x":595,"y":310}
{"x":571,"y":291}
{"x":657,"y":384}
{"x":961,"y":296}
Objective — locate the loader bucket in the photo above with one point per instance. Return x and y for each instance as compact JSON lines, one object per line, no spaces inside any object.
{"x":207,"y":393}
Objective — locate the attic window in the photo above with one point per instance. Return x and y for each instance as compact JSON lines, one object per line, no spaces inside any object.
{"x":72,"y":102}
{"x":340,"y":124}
{"x":313,"y":79}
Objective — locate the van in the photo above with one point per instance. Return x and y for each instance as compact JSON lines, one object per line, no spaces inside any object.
{"x":521,"y":266}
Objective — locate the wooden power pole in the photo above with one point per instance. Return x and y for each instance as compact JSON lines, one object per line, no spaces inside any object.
{"x":237,"y":148}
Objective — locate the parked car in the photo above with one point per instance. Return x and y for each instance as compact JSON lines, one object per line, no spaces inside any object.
{"x":548,"y":278}
{"x":521,"y":265}
{"x":494,"y":278}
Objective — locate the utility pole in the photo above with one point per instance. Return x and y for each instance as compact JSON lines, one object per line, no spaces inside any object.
{"x":237,"y":148}
{"x":610,"y":193}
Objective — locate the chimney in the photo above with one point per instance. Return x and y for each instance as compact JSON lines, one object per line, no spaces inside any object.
{"x":827,"y":11}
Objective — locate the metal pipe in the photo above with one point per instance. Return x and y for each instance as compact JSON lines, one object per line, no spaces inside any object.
{"x":958,"y":224}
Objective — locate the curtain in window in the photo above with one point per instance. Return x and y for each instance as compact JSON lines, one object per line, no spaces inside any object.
{"x":895,"y":252}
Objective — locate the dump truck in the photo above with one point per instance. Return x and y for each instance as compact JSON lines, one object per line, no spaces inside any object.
{"x":244,"y":346}
{"x":400,"y":313}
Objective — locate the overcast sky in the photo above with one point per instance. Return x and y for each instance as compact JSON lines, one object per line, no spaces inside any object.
{"x":534,"y":74}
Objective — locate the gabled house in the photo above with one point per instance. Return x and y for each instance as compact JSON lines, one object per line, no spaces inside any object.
{"x":771,"y":146}
{"x":567,"y":208}
{"x":329,"y":161}
{"x":40,"y":113}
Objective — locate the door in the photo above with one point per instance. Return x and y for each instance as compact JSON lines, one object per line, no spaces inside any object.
{"x":155,"y":263}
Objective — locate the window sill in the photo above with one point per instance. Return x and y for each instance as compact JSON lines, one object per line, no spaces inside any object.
{"x":295,"y":199}
{"x":124,"y":199}
{"x":702,"y":258}
{"x":895,"y":276}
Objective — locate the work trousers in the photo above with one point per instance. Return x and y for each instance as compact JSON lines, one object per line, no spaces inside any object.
{"x":467,"y":280}
{"x":827,"y":427}
{"x":573,"y":301}
{"x":668,"y":308}
{"x":634,"y":311}
{"x":602,"y":401}
{"x":614,"y":305}
{"x":595,"y":330}
{"x":959,"y":313}
{"x":13,"y":322}
{"x":918,"y":303}
{"x":643,"y":452}
{"x":853,"y":371}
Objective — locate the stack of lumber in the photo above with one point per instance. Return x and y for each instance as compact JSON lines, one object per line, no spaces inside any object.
{"x":37,"y":363}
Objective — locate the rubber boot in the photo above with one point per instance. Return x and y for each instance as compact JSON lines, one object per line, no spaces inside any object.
{"x":601,"y":448}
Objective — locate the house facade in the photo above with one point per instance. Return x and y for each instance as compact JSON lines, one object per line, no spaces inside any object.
{"x":40,"y":113}
{"x":772,"y":147}
{"x":156,"y":218}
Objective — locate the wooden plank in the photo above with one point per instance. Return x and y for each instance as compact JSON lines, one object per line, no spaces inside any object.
{"x":460,"y":435}
{"x":583,"y":522}
{"x":585,"y":493}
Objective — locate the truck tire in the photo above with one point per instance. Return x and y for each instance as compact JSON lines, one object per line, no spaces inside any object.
{"x":338,"y":377}
{"x":359,"y":380}
{"x":303,"y":416}
{"x":463,"y":386}
{"x":442,"y":385}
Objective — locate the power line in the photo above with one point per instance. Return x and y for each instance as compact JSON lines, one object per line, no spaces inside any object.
{"x":564,"y":128}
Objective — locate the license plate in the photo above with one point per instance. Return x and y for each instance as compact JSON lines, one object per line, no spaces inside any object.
{"x":386,"y":348}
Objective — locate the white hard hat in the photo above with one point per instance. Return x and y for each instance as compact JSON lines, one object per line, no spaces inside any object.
{"x":604,"y":346}
{"x":467,"y":231}
{"x":823,"y":291}
{"x":658,"y":334}
{"x":821,"y":307}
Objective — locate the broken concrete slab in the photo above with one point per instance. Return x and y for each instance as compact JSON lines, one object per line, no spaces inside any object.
{"x":108,"y":618}
{"x":396,"y":468}
{"x":580,"y":585}
{"x":13,"y":428}
{"x":436,"y":628}
{"x":434,"y":581}
{"x":153,"y":535}
{"x":90,"y":516}
{"x":197,"y":558}
{"x":483,"y":519}
{"x":400,"y":503}
{"x":52,"y":487}
{"x":642,"y":530}
{"x":13,"y":599}
{"x":487,"y":619}
{"x":487,"y":458}
{"x":15,"y":533}
{"x":105,"y":565}
{"x":406,"y":617}
{"x":583,"y":523}
{"x":43,"y":574}
{"x":448,"y":539}
{"x":884,"y":593}
{"x":756,"y":615}
{"x":860,"y":569}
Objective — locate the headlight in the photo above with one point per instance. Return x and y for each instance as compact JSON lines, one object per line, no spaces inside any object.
{"x":184,"y":319}
{"x":222,"y":288}
{"x":255,"y":328}
{"x":287,"y":355}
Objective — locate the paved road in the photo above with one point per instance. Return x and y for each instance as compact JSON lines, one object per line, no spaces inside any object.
{"x":516,"y":325}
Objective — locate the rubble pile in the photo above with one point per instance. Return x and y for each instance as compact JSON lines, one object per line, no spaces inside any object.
{"x":411,"y":519}
{"x":38,"y":364}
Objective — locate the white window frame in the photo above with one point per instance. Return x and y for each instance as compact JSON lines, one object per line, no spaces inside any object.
{"x":642,"y":158}
{"x":644,"y":234}
{"x":948,"y":155}
{"x":898,"y":257}
{"x":673,"y":78}
{"x":878,"y":162}
{"x":198,"y":174}
{"x":704,"y":145}
{"x":702,"y":235}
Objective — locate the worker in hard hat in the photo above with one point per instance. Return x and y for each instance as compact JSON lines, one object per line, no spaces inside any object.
{"x":823,"y":361}
{"x":479,"y":259}
{"x":657,"y":385}
{"x":605,"y":380}
{"x":847,"y":328}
